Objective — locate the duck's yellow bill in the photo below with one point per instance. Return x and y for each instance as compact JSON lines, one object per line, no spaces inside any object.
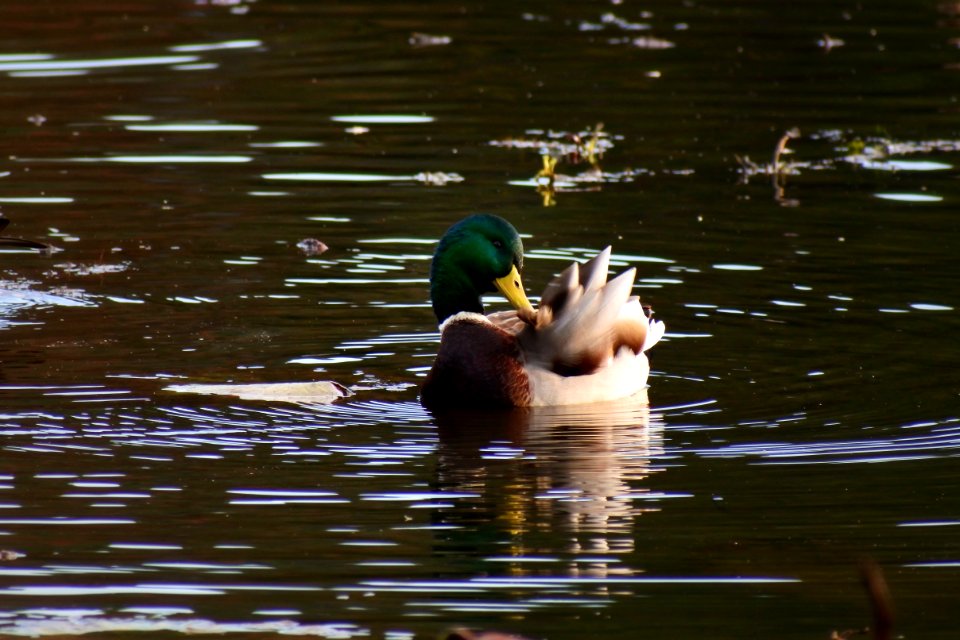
{"x":511,"y":287}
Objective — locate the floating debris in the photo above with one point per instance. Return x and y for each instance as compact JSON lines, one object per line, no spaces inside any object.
{"x":777,"y":169}
{"x":534,"y":17}
{"x":614,"y":21}
{"x":652,"y":43}
{"x":581,"y":148}
{"x":876,"y":154}
{"x":320,"y":392}
{"x":91,"y":269}
{"x":312,"y":246}
{"x":877,"y":148}
{"x":426,"y":40}
{"x":827,"y":43}
{"x":568,"y":146}
{"x":548,"y":172}
{"x":881,"y":605}
{"x":781,"y":147}
{"x":437,"y":178}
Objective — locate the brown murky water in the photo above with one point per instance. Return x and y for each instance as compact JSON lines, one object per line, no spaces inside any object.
{"x":803,"y":410}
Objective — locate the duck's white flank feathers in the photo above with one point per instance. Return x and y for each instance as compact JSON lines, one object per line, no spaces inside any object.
{"x":621,"y":377}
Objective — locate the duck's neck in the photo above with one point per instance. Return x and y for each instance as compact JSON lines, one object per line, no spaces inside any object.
{"x":451,"y":292}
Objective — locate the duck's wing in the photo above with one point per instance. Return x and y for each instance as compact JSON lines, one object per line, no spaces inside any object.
{"x":583,"y":321}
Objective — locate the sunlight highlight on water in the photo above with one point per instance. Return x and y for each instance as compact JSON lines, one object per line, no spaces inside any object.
{"x":21,"y":68}
{"x":383,"y":119}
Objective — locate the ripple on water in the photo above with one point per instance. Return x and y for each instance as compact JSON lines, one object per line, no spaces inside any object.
{"x":17,"y":296}
{"x":488,"y":594}
{"x":595,"y":488}
{"x":937,"y":439}
{"x":288,"y":432}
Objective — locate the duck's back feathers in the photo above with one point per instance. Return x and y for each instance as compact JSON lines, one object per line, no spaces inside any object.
{"x":585,"y":342}
{"x":583,"y":320}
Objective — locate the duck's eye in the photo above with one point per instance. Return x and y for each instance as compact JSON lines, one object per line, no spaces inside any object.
{"x":498,"y":244}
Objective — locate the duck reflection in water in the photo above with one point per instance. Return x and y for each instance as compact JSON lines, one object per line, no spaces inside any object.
{"x":553,"y":481}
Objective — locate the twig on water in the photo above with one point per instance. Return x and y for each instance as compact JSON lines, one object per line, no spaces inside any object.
{"x":881,"y":604}
{"x":792,"y":134}
{"x":778,"y":170}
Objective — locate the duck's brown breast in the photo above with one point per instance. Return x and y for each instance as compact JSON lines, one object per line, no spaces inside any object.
{"x":478,"y":365}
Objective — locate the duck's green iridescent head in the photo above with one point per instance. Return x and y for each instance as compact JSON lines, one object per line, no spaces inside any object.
{"x":480,"y":254}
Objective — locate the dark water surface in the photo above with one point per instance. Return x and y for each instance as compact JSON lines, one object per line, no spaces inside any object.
{"x":804,"y":410}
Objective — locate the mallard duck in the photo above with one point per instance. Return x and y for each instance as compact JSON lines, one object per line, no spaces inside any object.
{"x":585,"y":343}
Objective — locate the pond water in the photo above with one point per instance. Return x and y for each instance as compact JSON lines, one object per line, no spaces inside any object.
{"x":803,"y":410}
